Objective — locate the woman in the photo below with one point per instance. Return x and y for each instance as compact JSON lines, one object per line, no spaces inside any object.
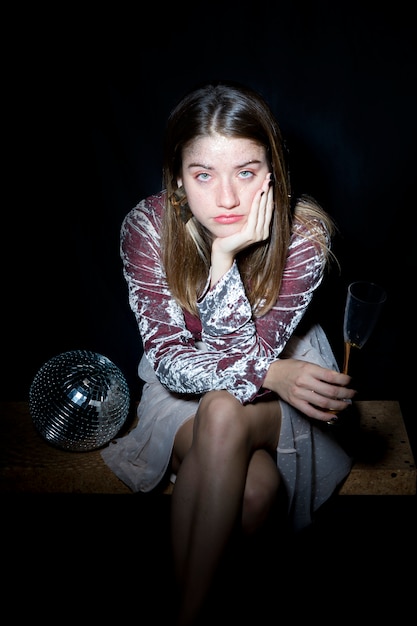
{"x":221,"y":268}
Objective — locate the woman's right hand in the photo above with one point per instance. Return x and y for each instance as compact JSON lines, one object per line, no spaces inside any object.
{"x":310,"y":388}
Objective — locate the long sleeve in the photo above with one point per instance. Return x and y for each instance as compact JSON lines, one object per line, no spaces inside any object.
{"x":239,"y":348}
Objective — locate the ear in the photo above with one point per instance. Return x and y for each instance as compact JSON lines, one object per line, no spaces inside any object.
{"x":179,"y":182}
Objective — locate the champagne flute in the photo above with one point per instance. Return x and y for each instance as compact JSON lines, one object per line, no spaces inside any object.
{"x":364,"y":302}
{"x":363,"y":305}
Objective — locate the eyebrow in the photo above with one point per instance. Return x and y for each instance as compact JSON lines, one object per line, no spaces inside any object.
{"x":208,"y":167}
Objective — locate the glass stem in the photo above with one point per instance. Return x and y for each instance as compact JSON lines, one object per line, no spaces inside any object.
{"x":346,"y":359}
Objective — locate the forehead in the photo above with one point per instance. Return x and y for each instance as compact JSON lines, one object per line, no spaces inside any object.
{"x":213,"y":148}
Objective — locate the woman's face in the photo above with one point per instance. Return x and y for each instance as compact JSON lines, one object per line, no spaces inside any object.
{"x":221,"y":176}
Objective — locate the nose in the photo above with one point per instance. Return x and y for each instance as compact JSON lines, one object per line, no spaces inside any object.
{"x":227,"y":196}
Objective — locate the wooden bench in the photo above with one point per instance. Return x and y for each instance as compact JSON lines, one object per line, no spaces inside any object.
{"x":384,"y":462}
{"x":28,"y":464}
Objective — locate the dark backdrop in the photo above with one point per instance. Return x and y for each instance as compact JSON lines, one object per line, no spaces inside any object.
{"x":87,"y":100}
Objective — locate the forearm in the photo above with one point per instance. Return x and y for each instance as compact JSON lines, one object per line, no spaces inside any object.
{"x":220,"y":265}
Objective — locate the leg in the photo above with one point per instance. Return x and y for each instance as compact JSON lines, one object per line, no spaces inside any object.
{"x":262,"y":483}
{"x":217,"y":484}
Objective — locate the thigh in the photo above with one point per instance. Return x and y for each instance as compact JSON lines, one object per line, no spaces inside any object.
{"x":262,"y":472}
{"x":264,"y":423}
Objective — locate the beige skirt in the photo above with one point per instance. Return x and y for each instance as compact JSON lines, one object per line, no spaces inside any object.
{"x":312,"y":463}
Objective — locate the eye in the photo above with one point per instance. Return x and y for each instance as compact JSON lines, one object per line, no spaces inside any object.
{"x":203,"y":176}
{"x":245,"y":174}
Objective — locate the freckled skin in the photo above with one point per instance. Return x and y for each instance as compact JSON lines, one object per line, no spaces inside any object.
{"x":221,"y":176}
{"x":227,"y":185}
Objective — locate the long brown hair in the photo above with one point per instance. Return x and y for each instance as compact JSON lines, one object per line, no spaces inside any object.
{"x":236,"y":111}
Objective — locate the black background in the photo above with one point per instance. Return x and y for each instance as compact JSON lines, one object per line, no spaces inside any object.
{"x":87,"y":100}
{"x":86,"y":94}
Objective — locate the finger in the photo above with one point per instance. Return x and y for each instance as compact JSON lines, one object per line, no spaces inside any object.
{"x":269,"y":209}
{"x":310,"y":410}
{"x":322,"y":415}
{"x":326,"y":403}
{"x":327,"y":382}
{"x":264,"y":214}
{"x":335,"y":392}
{"x":260,"y":214}
{"x":255,"y":226}
{"x":332,"y":377}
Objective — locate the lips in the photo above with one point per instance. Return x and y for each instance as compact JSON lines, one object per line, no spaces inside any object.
{"x":228,"y":219}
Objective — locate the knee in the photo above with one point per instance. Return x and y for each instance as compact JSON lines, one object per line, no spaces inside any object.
{"x":219,"y":419}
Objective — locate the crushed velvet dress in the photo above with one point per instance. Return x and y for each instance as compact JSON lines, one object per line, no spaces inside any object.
{"x":223,"y":348}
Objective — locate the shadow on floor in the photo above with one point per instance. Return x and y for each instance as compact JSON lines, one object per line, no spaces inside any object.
{"x":109,"y":556}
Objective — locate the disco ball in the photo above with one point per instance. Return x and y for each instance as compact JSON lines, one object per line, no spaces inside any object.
{"x":79,"y":400}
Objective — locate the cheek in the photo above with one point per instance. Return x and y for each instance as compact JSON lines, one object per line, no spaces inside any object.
{"x":246,"y":197}
{"x":198,"y":201}
{"x":199,"y":212}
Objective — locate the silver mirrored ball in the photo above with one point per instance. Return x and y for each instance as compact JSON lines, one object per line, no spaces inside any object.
{"x":79,"y":400}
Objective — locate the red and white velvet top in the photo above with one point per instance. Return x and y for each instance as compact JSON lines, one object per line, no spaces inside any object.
{"x":237,"y":348}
